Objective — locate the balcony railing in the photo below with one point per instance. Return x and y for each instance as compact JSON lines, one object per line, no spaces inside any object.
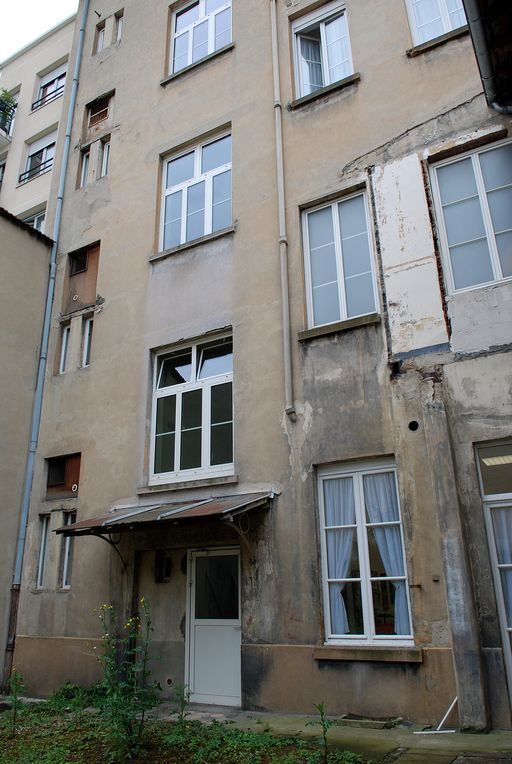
{"x":7,"y":112}
{"x":48,"y":97}
{"x":38,"y":170}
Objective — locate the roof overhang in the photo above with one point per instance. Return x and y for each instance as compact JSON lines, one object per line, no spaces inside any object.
{"x":122,"y":519}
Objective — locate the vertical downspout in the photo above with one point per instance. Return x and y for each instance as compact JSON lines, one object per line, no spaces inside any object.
{"x":38,"y":395}
{"x":283,"y":241}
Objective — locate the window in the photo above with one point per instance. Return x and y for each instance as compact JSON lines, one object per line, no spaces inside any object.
{"x":192,"y":427}
{"x":44,"y":531}
{"x":119,"y":25}
{"x":87,"y":341}
{"x":197,"y":192}
{"x":474,"y":202}
{"x":339,"y":261}
{"x":51,"y":86}
{"x":81,"y":278}
{"x":62,"y":476}
{"x":199,"y":29}
{"x":100,"y":37}
{"x":366,"y":596}
{"x":2,"y":171}
{"x":39,"y":158}
{"x":104,"y":157}
{"x":432,"y":18}
{"x":78,"y":261}
{"x":84,"y":169}
{"x":64,"y":346}
{"x":37,"y":220}
{"x":322,"y":48}
{"x":99,"y":111}
{"x":66,"y":553}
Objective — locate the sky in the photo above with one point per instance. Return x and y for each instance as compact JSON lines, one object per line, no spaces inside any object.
{"x":25,"y":20}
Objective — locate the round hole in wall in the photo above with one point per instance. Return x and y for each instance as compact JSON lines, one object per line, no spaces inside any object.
{"x":413,"y":425}
{"x":169,"y":681}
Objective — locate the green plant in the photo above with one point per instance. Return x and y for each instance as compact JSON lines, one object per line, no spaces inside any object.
{"x":16,"y":687}
{"x":182,"y":697}
{"x":326,"y":724}
{"x":128,"y":690}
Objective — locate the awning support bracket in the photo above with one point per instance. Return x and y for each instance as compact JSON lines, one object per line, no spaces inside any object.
{"x":113,"y":544}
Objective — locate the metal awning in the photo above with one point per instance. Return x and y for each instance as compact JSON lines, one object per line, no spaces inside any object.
{"x":136,"y":517}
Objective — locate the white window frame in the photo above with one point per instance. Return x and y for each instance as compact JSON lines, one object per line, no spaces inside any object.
{"x":64,"y":347}
{"x":198,"y":177}
{"x":203,"y":16}
{"x":104,"y":157}
{"x":43,"y":145}
{"x":84,"y":168}
{"x":44,"y":525}
{"x":119,"y":21}
{"x":445,"y":18}
{"x":100,"y":37}
{"x":484,"y":206}
{"x":356,"y":471}
{"x":87,"y":331}
{"x":36,"y":220}
{"x":339,"y":259}
{"x":206,"y":385}
{"x":319,"y":18}
{"x":57,"y":78}
{"x":66,"y":552}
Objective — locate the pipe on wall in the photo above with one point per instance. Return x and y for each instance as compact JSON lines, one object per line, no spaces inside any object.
{"x":283,"y":240}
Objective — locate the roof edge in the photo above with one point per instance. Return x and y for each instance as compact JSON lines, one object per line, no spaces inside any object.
{"x":25,"y":226}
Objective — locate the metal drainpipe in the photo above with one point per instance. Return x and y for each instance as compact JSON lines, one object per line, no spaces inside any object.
{"x":283,"y":241}
{"x":38,"y":395}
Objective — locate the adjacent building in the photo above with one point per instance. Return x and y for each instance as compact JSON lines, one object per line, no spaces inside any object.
{"x":279,"y":375}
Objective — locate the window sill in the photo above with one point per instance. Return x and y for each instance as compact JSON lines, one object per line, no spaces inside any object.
{"x":370,"y":654}
{"x":201,"y":61}
{"x":191,"y":244}
{"x":417,"y":50}
{"x":346,"y":82}
{"x":340,"y":326}
{"x":199,"y":483}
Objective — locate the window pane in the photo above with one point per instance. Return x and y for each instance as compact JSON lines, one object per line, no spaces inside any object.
{"x":356,"y":257}
{"x":464,"y":221}
{"x":359,"y":295}
{"x":497,"y":167}
{"x":502,"y":528}
{"x":180,"y":56}
{"x":326,"y":307}
{"x":385,"y":550}
{"x":180,"y":169}
{"x":187,"y":17}
{"x":221,"y":212}
{"x":456,"y":181}
{"x":471,"y":264}
{"x":456,"y":13}
{"x":166,"y":415}
{"x":223,"y":28}
{"x":221,"y":444}
{"x":195,"y":211}
{"x":380,"y":498}
{"x":222,"y":404}
{"x":165,"y":434}
{"x":504,"y":244}
{"x":212,"y":5}
{"x":215,"y":358}
{"x":172,"y":222}
{"x":390,"y":608}
{"x":216,"y":587}
{"x":346,"y":608}
{"x":216,"y":154}
{"x":175,"y":369}
{"x":337,"y":49}
{"x":200,"y":41}
{"x":191,"y":417}
{"x":500,"y":205}
{"x":164,"y":453}
{"x":326,"y":304}
{"x":496,"y":468}
{"x":342,"y":553}
{"x":310,"y":62}
{"x":428,"y":19}
{"x":339,"y":503}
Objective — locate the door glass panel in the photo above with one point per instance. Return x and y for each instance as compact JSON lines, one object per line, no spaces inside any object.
{"x":191,"y":418}
{"x":216,"y":589}
{"x":346,"y":608}
{"x":496,"y":468}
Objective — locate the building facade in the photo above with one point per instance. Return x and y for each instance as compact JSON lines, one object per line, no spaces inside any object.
{"x":279,"y":372}
{"x":34,"y":78}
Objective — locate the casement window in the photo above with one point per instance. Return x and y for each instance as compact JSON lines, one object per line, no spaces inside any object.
{"x":119,"y":21}
{"x":64,"y":347}
{"x":100,"y":41}
{"x":66,"y":553}
{"x":199,"y":29}
{"x":88,"y":325}
{"x":104,"y":157}
{"x":84,"y":167}
{"x":37,"y":220}
{"x":197,"y":192}
{"x":322,"y":48}
{"x":98,"y":111}
{"x":51,"y":86}
{"x":44,"y":534}
{"x":192,"y":422}
{"x":62,"y":476}
{"x":432,"y":18}
{"x":473,"y":197}
{"x":40,"y":157}
{"x":339,"y":261}
{"x":366,"y":597}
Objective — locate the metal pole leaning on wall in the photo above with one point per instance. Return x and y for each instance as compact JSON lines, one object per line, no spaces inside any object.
{"x":41,"y":370}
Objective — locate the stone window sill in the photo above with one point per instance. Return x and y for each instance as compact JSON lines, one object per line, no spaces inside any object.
{"x":346,"y":82}
{"x":417,"y":50}
{"x":201,"y":61}
{"x":339,"y":326}
{"x":370,"y":654}
{"x":191,"y":244}
{"x":199,"y":483}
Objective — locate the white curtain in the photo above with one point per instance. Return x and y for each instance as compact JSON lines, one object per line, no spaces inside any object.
{"x":502,"y":526}
{"x":311,"y":65}
{"x":382,"y":507}
{"x":339,"y":510}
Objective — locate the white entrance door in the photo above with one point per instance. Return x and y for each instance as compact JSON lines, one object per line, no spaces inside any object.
{"x":214,"y":627}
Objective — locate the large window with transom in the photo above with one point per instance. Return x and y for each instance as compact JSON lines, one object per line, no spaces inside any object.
{"x":366,"y":597}
{"x":199,"y":29}
{"x":197,"y":192}
{"x":192,"y":422}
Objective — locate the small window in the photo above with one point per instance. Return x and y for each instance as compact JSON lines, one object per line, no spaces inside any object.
{"x":432,"y":18}
{"x":84,"y":168}
{"x":199,"y":29}
{"x":40,"y":158}
{"x":104,"y":157}
{"x":63,"y":473}
{"x":88,"y":325}
{"x":37,"y":220}
{"x":99,"y":111}
{"x":119,"y":25}
{"x":100,"y":37}
{"x":322,"y":48}
{"x":51,"y":86}
{"x":81,"y":277}
{"x":64,"y":347}
{"x":66,"y":553}
{"x":473,"y":196}
{"x":197,"y":192}
{"x":44,"y":534}
{"x":2,"y":172}
{"x":339,"y":261}
{"x":78,"y":261}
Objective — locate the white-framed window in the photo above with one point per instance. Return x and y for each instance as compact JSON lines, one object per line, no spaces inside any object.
{"x":104,"y":157}
{"x":366,"y":594}
{"x":100,"y":42}
{"x":84,"y":167}
{"x":119,"y":21}
{"x":40,"y":157}
{"x":51,"y":86}
{"x":198,"y":29}
{"x":339,"y":262}
{"x":36,"y":220}
{"x":44,"y":533}
{"x":429,"y":19}
{"x":64,"y":347}
{"x":197,"y":192}
{"x":87,"y":328}
{"x":192,"y":421}
{"x":473,"y":199}
{"x":66,"y":553}
{"x":322,"y":48}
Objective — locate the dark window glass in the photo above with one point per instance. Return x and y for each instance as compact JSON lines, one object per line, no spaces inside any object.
{"x":217,"y":587}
